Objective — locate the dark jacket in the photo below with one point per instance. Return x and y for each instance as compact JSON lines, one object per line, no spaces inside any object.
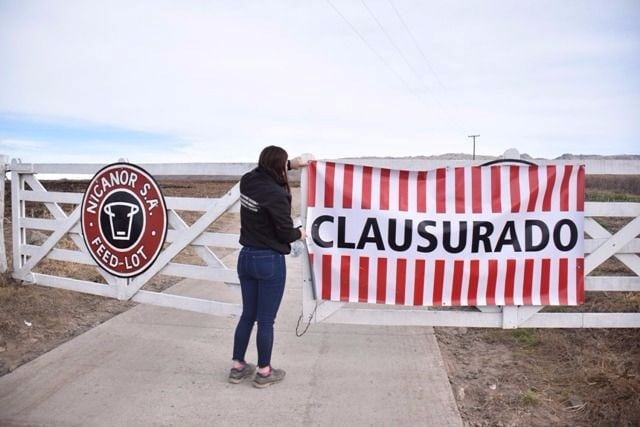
{"x":265,"y":213}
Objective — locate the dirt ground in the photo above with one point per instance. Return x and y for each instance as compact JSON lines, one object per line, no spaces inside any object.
{"x":499,"y":377}
{"x":538,"y":377}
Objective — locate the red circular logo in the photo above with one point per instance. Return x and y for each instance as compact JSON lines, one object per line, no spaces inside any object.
{"x":124,"y":219}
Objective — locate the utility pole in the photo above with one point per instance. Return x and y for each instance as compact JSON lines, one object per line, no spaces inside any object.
{"x":474,"y":144}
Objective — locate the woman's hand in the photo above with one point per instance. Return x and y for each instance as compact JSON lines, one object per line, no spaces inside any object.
{"x":301,"y":160}
{"x":303,"y":233}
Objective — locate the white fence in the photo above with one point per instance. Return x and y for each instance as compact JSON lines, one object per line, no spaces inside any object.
{"x":63,"y":222}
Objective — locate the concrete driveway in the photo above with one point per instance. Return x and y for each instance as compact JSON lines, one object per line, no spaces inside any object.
{"x":153,"y":366}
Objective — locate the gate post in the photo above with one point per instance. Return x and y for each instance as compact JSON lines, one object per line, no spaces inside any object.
{"x":308,"y":297}
{"x":509,"y":317}
{"x":19,"y":236}
{"x":3,"y":181}
{"x":121,"y":288}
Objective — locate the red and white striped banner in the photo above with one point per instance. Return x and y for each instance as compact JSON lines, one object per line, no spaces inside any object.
{"x":476,"y":235}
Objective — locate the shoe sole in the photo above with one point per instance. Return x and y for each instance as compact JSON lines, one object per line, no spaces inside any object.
{"x":267,"y":384}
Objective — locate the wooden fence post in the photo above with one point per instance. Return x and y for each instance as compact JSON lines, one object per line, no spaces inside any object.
{"x":3,"y":180}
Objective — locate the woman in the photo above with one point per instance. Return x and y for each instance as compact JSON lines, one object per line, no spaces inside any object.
{"x":266,"y":233}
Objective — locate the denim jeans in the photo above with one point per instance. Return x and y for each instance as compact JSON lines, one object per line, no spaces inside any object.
{"x":262,"y":274}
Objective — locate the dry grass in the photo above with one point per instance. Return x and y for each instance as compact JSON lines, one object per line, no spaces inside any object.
{"x":545,"y":377}
{"x":613,"y":185}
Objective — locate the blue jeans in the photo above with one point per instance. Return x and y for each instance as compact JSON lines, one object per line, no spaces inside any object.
{"x":262,"y":274}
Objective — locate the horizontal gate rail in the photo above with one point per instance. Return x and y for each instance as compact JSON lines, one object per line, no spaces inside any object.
{"x":72,"y":284}
{"x":230,"y":171}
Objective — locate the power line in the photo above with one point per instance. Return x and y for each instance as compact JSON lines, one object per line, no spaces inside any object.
{"x":452,"y":120}
{"x":375,"y":52}
{"x":424,"y":86}
{"x":395,"y":46}
{"x":416,"y":44}
{"x":424,"y":56}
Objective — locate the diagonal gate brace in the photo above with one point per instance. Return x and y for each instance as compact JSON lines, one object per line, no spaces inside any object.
{"x":214,"y":212}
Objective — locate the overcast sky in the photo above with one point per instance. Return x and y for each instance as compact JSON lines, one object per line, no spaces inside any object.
{"x":186,"y":81}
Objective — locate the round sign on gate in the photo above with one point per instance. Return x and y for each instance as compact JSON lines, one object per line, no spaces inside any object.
{"x":124,"y":219}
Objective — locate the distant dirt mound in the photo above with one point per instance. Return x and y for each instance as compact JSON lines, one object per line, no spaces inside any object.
{"x":465,"y":156}
{"x":569,"y":156}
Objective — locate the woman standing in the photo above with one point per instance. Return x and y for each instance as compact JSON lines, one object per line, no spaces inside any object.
{"x":266,"y":233}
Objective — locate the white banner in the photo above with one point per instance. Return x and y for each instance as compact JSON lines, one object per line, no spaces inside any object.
{"x":496,"y":235}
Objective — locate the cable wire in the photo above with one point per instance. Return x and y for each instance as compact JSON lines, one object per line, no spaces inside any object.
{"x":416,"y":44}
{"x":422,"y":55}
{"x":395,"y":46}
{"x":420,"y":98}
{"x":375,"y":52}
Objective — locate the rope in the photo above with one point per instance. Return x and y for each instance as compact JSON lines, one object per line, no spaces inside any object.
{"x":313,"y":313}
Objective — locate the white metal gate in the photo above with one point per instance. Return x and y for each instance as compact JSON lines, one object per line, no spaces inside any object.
{"x":63,"y":223}
{"x":599,"y":246}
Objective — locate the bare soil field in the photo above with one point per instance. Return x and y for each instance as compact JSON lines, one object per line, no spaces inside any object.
{"x":499,"y":377}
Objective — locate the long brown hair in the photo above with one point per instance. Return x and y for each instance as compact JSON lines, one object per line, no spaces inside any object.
{"x":273,"y":160}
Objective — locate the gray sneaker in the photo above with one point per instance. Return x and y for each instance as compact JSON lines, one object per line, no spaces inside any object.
{"x":275,"y":376}
{"x":237,"y":375}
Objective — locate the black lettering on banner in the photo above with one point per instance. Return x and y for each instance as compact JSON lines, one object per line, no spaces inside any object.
{"x":529,"y":245}
{"x":422,"y":231}
{"x":508,"y":237}
{"x":371,"y":225}
{"x":315,"y":231}
{"x":342,"y":243}
{"x":478,"y":236}
{"x":446,"y":237}
{"x":573,"y":236}
{"x":408,"y":231}
{"x":536,"y":233}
